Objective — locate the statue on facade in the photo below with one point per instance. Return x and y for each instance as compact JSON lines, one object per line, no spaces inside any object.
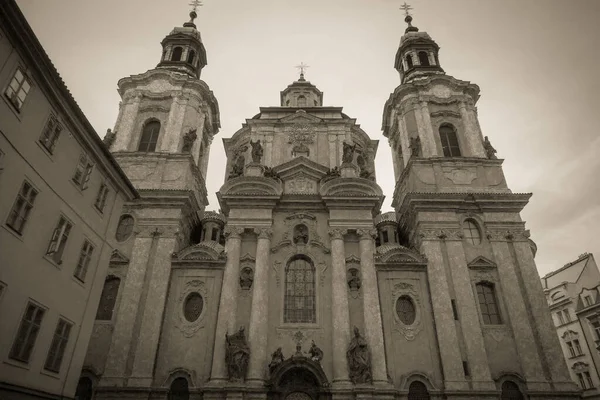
{"x":109,"y":138}
{"x":415,"y":146}
{"x":316,"y":354}
{"x":238,"y":167}
{"x":257,"y":151}
{"x":359,"y":359}
{"x":188,"y":140}
{"x":237,"y":354}
{"x":348,"y":155}
{"x":276,"y":359}
{"x":298,"y":352}
{"x":331,"y":174}
{"x":300,"y":234}
{"x":270,"y":173}
{"x":354,"y":280}
{"x":246,"y":278}
{"x":490,"y":151}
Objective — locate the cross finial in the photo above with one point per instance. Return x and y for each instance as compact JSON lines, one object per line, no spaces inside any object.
{"x":406,"y":8}
{"x":302,"y":67}
{"x":195,"y":4}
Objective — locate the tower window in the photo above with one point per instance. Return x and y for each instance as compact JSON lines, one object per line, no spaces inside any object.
{"x":449,"y":141}
{"x":301,"y":101}
{"x":409,"y":62}
{"x":191,"y":57}
{"x":299,"y":300}
{"x":149,"y":136}
{"x":177,"y":52}
{"x":511,"y":391}
{"x":179,"y":390}
{"x":423,"y":59}
{"x":487,"y":303}
{"x":418,"y":391}
{"x":471,"y":232}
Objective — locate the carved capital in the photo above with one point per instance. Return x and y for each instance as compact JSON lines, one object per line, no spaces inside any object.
{"x":233,"y":232}
{"x":336,"y":233}
{"x":507,"y":234}
{"x":367,"y":234}
{"x":264,"y":233}
{"x":441,"y":234}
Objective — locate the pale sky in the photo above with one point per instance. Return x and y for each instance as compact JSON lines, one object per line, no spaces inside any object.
{"x":536,"y":62}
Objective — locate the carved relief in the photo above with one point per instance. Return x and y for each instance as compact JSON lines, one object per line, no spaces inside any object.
{"x":354,"y":282}
{"x":189,"y":328}
{"x":323,"y":268}
{"x":302,"y":133}
{"x":246,"y":279}
{"x":461,"y":176}
{"x":440,"y":234}
{"x":299,"y":336}
{"x":402,"y":289}
{"x":301,"y":185}
{"x":276,"y":268}
{"x":426,"y":176}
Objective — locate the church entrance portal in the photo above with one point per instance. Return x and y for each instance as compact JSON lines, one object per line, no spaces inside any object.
{"x":299,"y":380}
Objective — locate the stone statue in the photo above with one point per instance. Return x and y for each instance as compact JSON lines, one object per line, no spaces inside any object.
{"x":490,"y":151}
{"x":331,"y":174}
{"x":298,"y":352}
{"x":270,"y":173}
{"x":316,"y":354}
{"x":300,"y":234}
{"x":246,"y":278}
{"x":276,"y":359}
{"x":257,"y":151}
{"x":354,"y":280}
{"x":188,"y":140}
{"x":238,"y":167}
{"x":348,"y":155}
{"x":237,"y":355}
{"x":415,"y":146}
{"x":359,"y":359}
{"x":110,"y":137}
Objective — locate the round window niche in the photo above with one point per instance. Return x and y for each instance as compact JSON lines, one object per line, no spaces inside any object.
{"x":125,"y":227}
{"x":192,"y":306}
{"x":405,"y":309}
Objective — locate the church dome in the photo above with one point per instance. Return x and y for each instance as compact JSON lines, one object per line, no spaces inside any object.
{"x":302,"y":94}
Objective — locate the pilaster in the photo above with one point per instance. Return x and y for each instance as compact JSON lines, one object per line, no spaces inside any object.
{"x":125,"y":140}
{"x":472,"y":136}
{"x":174,"y":127}
{"x":428,"y":145}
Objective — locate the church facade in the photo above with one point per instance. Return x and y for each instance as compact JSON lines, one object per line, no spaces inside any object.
{"x":300,"y":288}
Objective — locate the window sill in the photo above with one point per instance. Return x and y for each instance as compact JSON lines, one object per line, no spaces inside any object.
{"x":16,"y":363}
{"x":576,"y":356}
{"x":52,"y":374}
{"x":45,"y":150}
{"x":12,"y":107}
{"x":78,"y":187}
{"x":13,"y":232}
{"x":52,"y":261}
{"x":78,"y":281}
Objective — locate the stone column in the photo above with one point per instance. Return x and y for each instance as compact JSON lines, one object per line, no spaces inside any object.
{"x":226,"y":319}
{"x":340,"y":313}
{"x":371,"y":307}
{"x":257,"y":335}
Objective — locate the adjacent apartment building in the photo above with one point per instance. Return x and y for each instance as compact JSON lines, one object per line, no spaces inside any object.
{"x":61,"y":193}
{"x":573,"y":297}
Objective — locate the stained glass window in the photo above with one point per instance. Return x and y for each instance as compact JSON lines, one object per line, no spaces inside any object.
{"x":510,"y":391}
{"x":418,"y":391}
{"x":405,"y":308}
{"x":299,"y":302}
{"x":193,"y":306}
{"x":108,"y":298}
{"x":488,"y":304}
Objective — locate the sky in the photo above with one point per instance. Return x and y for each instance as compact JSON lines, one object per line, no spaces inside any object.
{"x":536,"y":62}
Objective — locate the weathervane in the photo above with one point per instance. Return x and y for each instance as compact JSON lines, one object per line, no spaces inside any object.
{"x":406,"y":8}
{"x":302,"y":67}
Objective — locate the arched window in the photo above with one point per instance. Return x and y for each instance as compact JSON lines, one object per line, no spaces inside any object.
{"x":471,"y":232}
{"x":449,"y":141}
{"x":299,"y":301}
{"x":179,"y":390}
{"x":488,"y":304}
{"x":125,"y":228}
{"x":409,"y":62}
{"x":149,"y":136}
{"x":423,"y":58}
{"x":418,"y":391}
{"x":108,"y":298}
{"x":84,"y":389}
{"x":176,"y":55}
{"x":405,"y":308}
{"x":511,"y":391}
{"x":301,"y":101}
{"x":191,"y":56}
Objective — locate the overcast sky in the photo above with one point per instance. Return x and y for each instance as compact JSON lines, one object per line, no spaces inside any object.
{"x":536,"y":63}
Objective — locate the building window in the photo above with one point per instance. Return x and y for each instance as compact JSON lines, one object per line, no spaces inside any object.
{"x":214,"y":234}
{"x":179,"y":390}
{"x":511,"y":391}
{"x":418,"y":391}
{"x":384,"y":237}
{"x":59,"y":240}
{"x":85,"y":389}
{"x":83,"y":172}
{"x":588,"y":379}
{"x":409,"y":61}
{"x":471,"y":232}
{"x":108,"y":299}
{"x":301,"y":101}
{"x":561,"y":318}
{"x":488,"y":304}
{"x":58,"y":346}
{"x":192,"y":307}
{"x":28,"y":331}
{"x":585,"y":380}
{"x":423,"y":58}
{"x":18,"y":89}
{"x":149,"y":136}
{"x":177,"y":52}
{"x":587,"y":299}
{"x":567,"y":315}
{"x":191,"y":57}
{"x":571,"y":349}
{"x":101,"y":197}
{"x":596,"y":327}
{"x":449,"y":141}
{"x":50,"y":133}
{"x":299,"y":302}
{"x":84,"y":260}
{"x":21,"y":208}
{"x":125,"y":228}
{"x":405,"y":309}
{"x":577,"y":346}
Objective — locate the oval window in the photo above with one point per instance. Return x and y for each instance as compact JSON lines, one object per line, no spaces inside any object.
{"x":405,"y":308}
{"x":124,"y":228}
{"x":193,"y":306}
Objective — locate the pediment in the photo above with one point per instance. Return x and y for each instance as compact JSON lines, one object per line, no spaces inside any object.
{"x":395,"y":253}
{"x":118,"y":258}
{"x":481,"y":262}
{"x":300,"y":165}
{"x":352,"y":259}
{"x":251,"y":186}
{"x":301,"y":116}
{"x":207,"y":250}
{"x":355,"y":187}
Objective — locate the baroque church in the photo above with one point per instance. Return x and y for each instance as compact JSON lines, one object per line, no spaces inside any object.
{"x":299,"y":288}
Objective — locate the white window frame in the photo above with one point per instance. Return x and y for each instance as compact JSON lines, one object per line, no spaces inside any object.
{"x":27,"y":199}
{"x":83,"y":171}
{"x":59,"y":238}
{"x":14,"y":91}
{"x":32,"y":328}
{"x":101,"y":197}
{"x":58,"y":346}
{"x":85,"y":256}
{"x":50,"y":133}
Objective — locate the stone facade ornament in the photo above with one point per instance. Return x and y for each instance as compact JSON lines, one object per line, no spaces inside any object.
{"x":186,"y":327}
{"x":354,"y":281}
{"x":270,"y":173}
{"x":331,"y":174}
{"x":348,"y":154}
{"x":239,"y":162}
{"x":301,"y":185}
{"x":490,"y":151}
{"x":188,"y":141}
{"x":246,"y":278}
{"x":235,"y":232}
{"x":405,"y":289}
{"x":300,"y":234}
{"x":237,"y":355}
{"x":415,"y":147}
{"x":109,"y":138}
{"x":257,"y":151}
{"x":336,"y":233}
{"x":359,"y":359}
{"x":302,"y":134}
{"x":316,"y":354}
{"x":276,"y":359}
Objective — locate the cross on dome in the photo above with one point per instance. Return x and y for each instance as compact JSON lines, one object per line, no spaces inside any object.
{"x":302,"y":67}
{"x":195,"y":4}
{"x":406,"y":8}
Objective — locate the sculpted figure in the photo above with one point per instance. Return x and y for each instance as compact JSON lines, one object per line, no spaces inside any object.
{"x":188,"y":140}
{"x":257,"y":151}
{"x":316,"y":354}
{"x":238,"y":168}
{"x":359,"y":359}
{"x":110,"y":136}
{"x":300,"y":234}
{"x":237,"y":355}
{"x":246,"y":278}
{"x":415,"y":146}
{"x":270,"y":173}
{"x":490,"y":151}
{"x":276,"y":359}
{"x":331,"y":174}
{"x":348,"y":155}
{"x":354,"y":281}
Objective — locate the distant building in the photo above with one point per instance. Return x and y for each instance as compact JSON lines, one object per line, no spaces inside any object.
{"x":61,"y":194}
{"x":573,"y":297}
